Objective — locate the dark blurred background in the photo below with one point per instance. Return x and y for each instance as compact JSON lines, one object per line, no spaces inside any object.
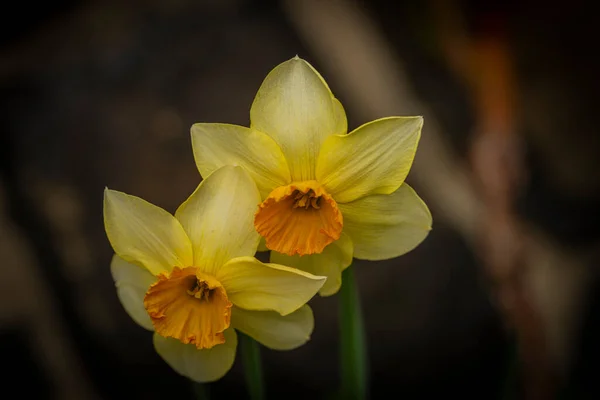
{"x":501,"y":300}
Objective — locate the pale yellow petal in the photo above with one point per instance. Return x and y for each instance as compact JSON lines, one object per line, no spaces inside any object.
{"x":206,"y":365}
{"x":132,"y":283}
{"x":296,"y":108}
{"x":217,"y":145}
{"x":254,"y":285}
{"x":373,"y":159}
{"x":341,"y":122}
{"x":386,"y":226}
{"x":262,"y":245}
{"x":219,"y":218}
{"x":275,"y":331}
{"x":335,"y":258}
{"x":145,"y":234}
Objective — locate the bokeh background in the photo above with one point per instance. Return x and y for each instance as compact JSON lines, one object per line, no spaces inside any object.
{"x":501,"y":300}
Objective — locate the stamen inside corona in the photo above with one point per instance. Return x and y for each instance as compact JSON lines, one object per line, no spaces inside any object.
{"x":190,"y":306}
{"x":301,"y":218}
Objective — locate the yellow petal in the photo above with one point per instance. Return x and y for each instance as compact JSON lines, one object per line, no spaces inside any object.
{"x":341,"y":123}
{"x":206,"y":365}
{"x":216,"y":145}
{"x":335,"y":258}
{"x":145,"y":234}
{"x":219,"y":218}
{"x":275,"y":331}
{"x":296,"y":108}
{"x":373,"y":159}
{"x":132,"y":282}
{"x":386,"y":226}
{"x":253,"y":285}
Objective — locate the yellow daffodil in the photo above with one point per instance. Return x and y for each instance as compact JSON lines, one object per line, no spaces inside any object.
{"x":193,"y":280}
{"x":328,"y":195}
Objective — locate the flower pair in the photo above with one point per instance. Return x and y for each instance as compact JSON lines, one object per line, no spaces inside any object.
{"x":317,"y":196}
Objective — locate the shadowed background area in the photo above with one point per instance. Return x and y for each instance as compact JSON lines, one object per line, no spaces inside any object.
{"x":500,"y":301}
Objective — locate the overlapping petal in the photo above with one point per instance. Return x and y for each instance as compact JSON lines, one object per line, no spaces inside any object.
{"x":254,"y":285}
{"x":373,"y":159}
{"x":218,"y":218}
{"x":217,"y":145}
{"x":206,"y":365}
{"x":386,"y":226}
{"x":145,"y":234}
{"x":335,"y":258}
{"x":273,"y":330}
{"x":341,"y":122}
{"x":132,"y":282}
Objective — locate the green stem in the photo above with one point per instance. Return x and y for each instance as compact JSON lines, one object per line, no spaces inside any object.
{"x":352,"y":340}
{"x":252,"y":366}
{"x":200,"y":391}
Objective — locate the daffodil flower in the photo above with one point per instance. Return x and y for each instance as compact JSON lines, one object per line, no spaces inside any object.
{"x":328,"y":195}
{"x":193,"y":280}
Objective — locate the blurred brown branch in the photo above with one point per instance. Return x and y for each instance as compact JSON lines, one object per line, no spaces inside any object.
{"x":476,"y":197}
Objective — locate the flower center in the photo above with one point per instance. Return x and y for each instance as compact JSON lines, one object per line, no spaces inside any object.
{"x":306,"y":200}
{"x":300,"y":218}
{"x":190,"y":306}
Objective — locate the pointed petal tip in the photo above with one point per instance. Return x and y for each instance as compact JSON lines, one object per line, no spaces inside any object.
{"x":297,"y":62}
{"x":107,"y":195}
{"x":114,"y":197}
{"x":199,"y":125}
{"x":320,"y":278}
{"x":111,"y":193}
{"x":419,"y":121}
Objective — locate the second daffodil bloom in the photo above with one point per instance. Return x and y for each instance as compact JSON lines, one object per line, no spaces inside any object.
{"x":193,"y":280}
{"x":327,"y":195}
